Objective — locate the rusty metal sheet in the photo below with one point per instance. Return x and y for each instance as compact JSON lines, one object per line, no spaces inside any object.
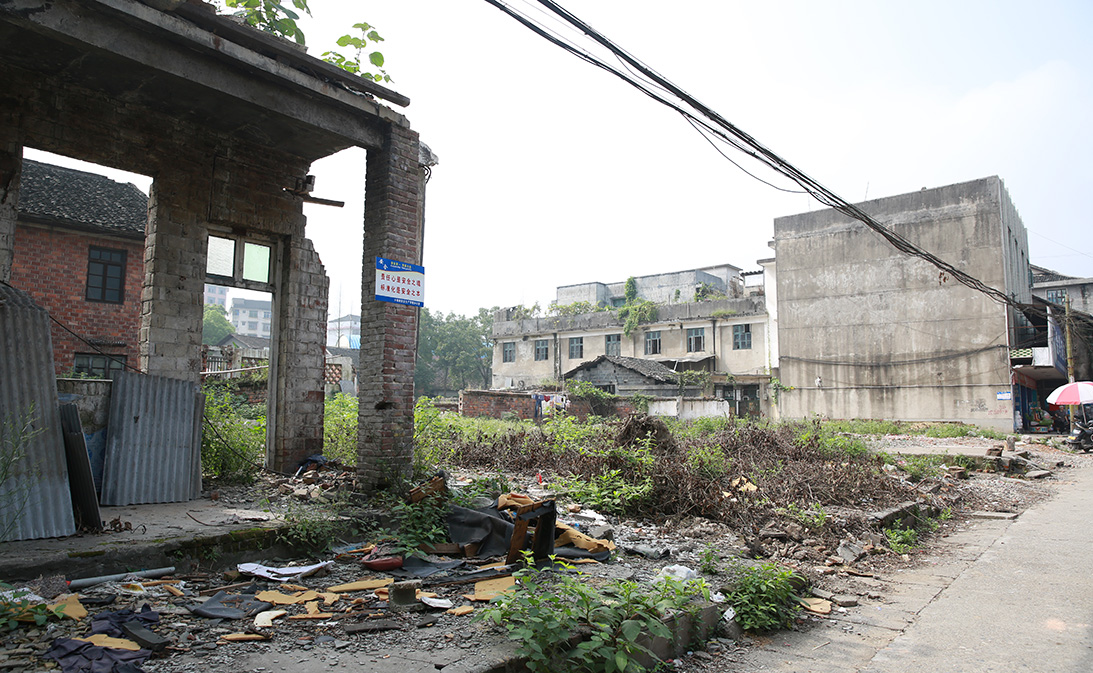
{"x":153,"y":444}
{"x":35,"y":501}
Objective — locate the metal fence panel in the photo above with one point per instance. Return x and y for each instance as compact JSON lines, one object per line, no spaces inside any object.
{"x":153,"y":445}
{"x":35,"y":501}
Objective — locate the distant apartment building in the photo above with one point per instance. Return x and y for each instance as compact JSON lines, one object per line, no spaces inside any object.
{"x":706,"y":319}
{"x":252,"y":317}
{"x":217,"y":295}
{"x":340,"y":331}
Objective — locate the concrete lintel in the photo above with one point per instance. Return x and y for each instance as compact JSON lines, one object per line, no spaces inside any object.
{"x":165,"y":45}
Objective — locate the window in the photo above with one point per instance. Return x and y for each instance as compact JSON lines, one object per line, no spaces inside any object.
{"x":652,"y":343}
{"x":265,"y":327}
{"x":98,"y":366}
{"x":266,"y":315}
{"x":613,"y":344}
{"x":542,"y":349}
{"x":105,"y":275}
{"x":741,"y":337}
{"x":253,"y":326}
{"x":695,"y":338}
{"x":254,"y":314}
{"x":576,"y":348}
{"x":508,"y":352}
{"x":1057,"y":296}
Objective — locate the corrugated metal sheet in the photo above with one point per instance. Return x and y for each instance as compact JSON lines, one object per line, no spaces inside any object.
{"x":35,"y":501}
{"x":153,"y":445}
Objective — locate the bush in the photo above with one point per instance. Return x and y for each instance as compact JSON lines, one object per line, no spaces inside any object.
{"x":548,"y":608}
{"x":340,"y":429}
{"x":232,"y":447}
{"x":763,"y":598}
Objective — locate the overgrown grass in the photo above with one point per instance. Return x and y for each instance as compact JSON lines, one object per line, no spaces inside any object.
{"x":232,"y":445}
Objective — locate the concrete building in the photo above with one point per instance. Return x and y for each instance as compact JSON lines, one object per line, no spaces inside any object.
{"x":227,"y":120}
{"x":216,"y":295}
{"x":867,"y":331}
{"x":251,"y":317}
{"x":79,"y":253}
{"x":1057,"y":288}
{"x":664,"y":288}
{"x":340,"y":330}
{"x":727,"y":337}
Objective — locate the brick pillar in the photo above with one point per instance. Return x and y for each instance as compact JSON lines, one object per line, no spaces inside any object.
{"x":11,"y":164}
{"x":172,"y":300}
{"x":302,"y":299}
{"x":393,"y":204}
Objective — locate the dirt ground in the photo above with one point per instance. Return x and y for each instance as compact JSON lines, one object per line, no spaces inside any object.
{"x":323,"y":636}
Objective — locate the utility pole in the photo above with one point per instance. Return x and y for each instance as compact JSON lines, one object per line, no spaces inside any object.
{"x":1069,"y":352}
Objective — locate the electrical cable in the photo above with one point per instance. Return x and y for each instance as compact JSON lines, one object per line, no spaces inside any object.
{"x":718,"y":125}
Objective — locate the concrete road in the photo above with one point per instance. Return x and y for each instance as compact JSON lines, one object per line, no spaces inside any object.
{"x":998,"y":596}
{"x":1026,"y":604}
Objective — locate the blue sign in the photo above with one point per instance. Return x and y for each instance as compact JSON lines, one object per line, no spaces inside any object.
{"x":400,"y":282}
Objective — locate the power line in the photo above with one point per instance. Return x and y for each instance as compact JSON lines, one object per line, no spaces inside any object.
{"x":711,"y":120}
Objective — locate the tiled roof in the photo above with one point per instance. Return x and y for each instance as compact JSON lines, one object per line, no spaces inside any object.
{"x":649,"y":368}
{"x":77,"y":197}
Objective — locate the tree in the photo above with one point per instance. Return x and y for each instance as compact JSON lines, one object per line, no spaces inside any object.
{"x":215,"y":325}
{"x":454,"y":352}
{"x":273,"y":17}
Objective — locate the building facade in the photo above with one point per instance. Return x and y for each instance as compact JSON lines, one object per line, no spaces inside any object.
{"x":79,"y":253}
{"x":339,"y":330}
{"x":867,"y":331}
{"x":726,"y":337}
{"x":252,"y":317}
{"x":1057,"y":288}
{"x":216,"y":295}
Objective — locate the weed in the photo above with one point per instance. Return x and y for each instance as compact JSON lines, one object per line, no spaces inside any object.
{"x":16,"y":433}
{"x":920,"y":467}
{"x":340,"y":420}
{"x":420,"y":523}
{"x":311,"y":530}
{"x":708,"y":561}
{"x":609,"y":493}
{"x":549,"y":607}
{"x":763,"y":598}
{"x":15,"y":608}
{"x":901,"y":540}
{"x":232,"y":447}
{"x":813,"y":517}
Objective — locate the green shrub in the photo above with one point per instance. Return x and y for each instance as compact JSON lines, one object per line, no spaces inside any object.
{"x":340,"y":429}
{"x":232,"y":447}
{"x":901,"y":540}
{"x":763,"y":598}
{"x":921,"y":467}
{"x":609,"y":493}
{"x":548,"y":608}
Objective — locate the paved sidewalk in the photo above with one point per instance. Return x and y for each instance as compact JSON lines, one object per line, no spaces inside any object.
{"x":999,"y":596}
{"x":1025,"y":605}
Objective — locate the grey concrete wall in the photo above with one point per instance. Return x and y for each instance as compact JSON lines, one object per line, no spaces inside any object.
{"x":889,"y":335}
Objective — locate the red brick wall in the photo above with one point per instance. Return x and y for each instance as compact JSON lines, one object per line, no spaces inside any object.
{"x":495,"y":404}
{"x":51,"y":266}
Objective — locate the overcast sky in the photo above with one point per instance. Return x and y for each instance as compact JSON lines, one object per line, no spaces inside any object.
{"x":553,"y":172}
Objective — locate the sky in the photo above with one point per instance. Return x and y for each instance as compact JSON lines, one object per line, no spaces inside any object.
{"x":553,"y":172}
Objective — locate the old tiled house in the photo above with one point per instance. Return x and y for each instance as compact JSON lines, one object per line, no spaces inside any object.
{"x":79,"y":252}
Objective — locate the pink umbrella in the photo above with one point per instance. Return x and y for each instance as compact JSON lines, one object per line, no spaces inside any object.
{"x":1079,"y":392}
